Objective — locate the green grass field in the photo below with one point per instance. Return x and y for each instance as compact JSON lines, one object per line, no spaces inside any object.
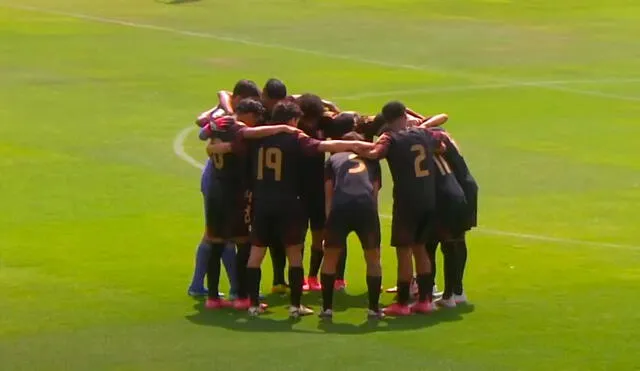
{"x":100,"y":217}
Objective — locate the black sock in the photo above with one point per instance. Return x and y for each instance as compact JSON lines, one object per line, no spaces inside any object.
{"x":278,"y":261}
{"x":327,"y":281}
{"x":450,"y":268}
{"x":342,"y":265}
{"x":296,"y":278}
{"x":403,"y":292}
{"x":242,"y":257}
{"x":432,"y":247}
{"x":253,"y":285}
{"x":315,"y":261}
{"x":373,"y":288}
{"x":425,"y":286}
{"x":462,"y":262}
{"x":213,"y":269}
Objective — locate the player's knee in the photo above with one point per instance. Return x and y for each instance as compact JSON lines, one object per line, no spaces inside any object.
{"x":294,"y":255}
{"x":255,"y":257}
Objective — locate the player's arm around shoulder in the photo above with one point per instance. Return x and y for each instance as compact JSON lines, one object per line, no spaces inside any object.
{"x":435,"y":121}
{"x":269,"y":130}
{"x":329,"y":176}
{"x":378,"y":149}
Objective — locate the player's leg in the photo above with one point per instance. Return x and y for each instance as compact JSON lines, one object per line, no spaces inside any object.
{"x":316,"y":212}
{"x":424,"y":278}
{"x":254,"y":275}
{"x":458,"y":291}
{"x":278,"y":262}
{"x":203,"y":252}
{"x":229,"y":262}
{"x":315,"y":261}
{"x":449,"y":251}
{"x":368,"y":231}
{"x":432,"y":246}
{"x":213,"y":276}
{"x":328,"y":277}
{"x":261,"y":237}
{"x":341,"y":283}
{"x":291,"y":226}
{"x":242,"y":259}
{"x":335,"y":237}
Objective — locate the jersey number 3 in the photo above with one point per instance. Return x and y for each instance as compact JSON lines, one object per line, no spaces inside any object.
{"x":419,"y":162}
{"x":360,"y":167}
{"x":270,"y":158}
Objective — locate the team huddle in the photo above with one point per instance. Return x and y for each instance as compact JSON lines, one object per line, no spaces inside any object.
{"x":267,"y":182}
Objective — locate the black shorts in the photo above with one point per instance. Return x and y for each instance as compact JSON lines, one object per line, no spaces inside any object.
{"x":278,"y":224}
{"x":315,"y":208}
{"x":411,"y":225}
{"x":363,"y":220}
{"x":228,"y":215}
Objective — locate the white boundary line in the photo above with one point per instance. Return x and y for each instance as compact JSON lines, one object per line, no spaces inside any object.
{"x":457,"y":88}
{"x":178,"y":144}
{"x":498,"y":81}
{"x":178,"y":149}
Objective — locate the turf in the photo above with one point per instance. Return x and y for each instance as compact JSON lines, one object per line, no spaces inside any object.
{"x":100,"y":218}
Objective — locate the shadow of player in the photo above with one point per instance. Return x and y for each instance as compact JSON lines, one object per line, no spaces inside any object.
{"x":239,"y":321}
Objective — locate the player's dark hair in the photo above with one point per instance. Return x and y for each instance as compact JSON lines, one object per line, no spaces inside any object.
{"x":285,"y":111}
{"x":311,"y":106}
{"x":393,"y":111}
{"x":246,"y":89}
{"x":352,"y":135}
{"x":275,"y":89}
{"x":342,"y":124}
{"x":250,"y":105}
{"x":369,"y":128}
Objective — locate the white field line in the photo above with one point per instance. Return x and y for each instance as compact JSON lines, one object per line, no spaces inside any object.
{"x":178,"y":149}
{"x":457,"y":88}
{"x":178,"y":145}
{"x":498,"y":81}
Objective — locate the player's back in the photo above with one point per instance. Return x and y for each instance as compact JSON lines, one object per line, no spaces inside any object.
{"x":231,"y":168}
{"x":275,"y":163}
{"x":353,"y":178}
{"x":408,"y":157}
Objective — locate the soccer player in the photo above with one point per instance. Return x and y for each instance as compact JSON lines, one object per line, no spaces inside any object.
{"x":242,"y":89}
{"x":351,"y":187}
{"x":230,"y":201}
{"x":227,"y":101}
{"x":408,"y":150}
{"x":312,"y":175}
{"x":278,"y":215}
{"x":458,"y":219}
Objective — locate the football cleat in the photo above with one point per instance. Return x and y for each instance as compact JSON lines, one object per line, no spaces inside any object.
{"x":340,"y":285}
{"x":295,"y":312}
{"x":460,"y":299}
{"x":326,"y":314}
{"x":397,"y":310}
{"x":313,"y":284}
{"x":425,"y":306}
{"x":372,"y":314}
{"x":446,"y":303}
{"x":256,"y":311}
{"x":392,"y":290}
{"x":218,"y":303}
{"x":242,"y":304}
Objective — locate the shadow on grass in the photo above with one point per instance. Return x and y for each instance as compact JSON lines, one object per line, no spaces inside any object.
{"x":240,"y":321}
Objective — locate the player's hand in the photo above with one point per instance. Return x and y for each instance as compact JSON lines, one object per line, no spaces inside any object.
{"x":291,"y":130}
{"x":360,"y":147}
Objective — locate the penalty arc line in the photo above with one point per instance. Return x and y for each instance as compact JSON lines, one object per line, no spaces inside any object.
{"x":178,"y":145}
{"x":230,"y":39}
{"x":178,"y":149}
